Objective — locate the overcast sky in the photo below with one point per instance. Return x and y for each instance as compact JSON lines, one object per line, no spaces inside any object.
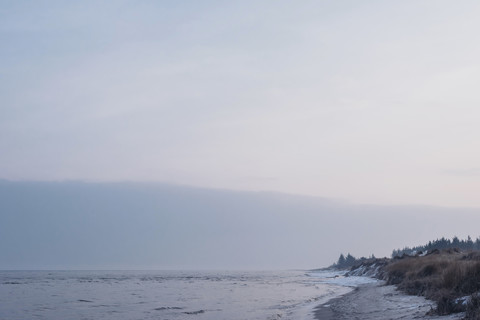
{"x":368,"y":101}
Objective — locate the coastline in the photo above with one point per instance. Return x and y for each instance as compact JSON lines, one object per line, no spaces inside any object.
{"x":376,"y":301}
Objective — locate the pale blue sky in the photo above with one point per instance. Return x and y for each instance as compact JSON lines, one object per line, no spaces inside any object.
{"x":372,"y":101}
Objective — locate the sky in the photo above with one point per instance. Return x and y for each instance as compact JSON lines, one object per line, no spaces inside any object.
{"x":234,"y":134}
{"x":371,"y":101}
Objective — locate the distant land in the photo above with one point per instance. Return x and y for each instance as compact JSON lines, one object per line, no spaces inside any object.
{"x":130,"y":225}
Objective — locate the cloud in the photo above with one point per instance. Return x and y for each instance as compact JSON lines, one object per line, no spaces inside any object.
{"x":150,"y":225}
{"x":359,"y":94}
{"x":471,"y":172}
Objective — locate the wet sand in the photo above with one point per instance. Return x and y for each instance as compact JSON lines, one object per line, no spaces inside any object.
{"x":378,"y":302}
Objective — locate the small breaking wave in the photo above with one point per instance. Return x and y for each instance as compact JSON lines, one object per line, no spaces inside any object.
{"x":195,"y":312}
{"x":168,"y":308}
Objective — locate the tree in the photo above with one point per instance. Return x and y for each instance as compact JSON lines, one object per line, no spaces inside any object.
{"x":455,"y":242}
{"x":470,"y":245}
{"x":349,"y":260}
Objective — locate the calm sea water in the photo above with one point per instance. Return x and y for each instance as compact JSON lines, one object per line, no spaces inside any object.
{"x":172,"y":295}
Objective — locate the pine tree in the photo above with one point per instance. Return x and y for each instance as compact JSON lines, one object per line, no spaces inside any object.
{"x":349,"y":260}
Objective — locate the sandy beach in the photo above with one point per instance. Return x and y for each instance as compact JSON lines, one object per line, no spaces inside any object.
{"x":376,"y":301}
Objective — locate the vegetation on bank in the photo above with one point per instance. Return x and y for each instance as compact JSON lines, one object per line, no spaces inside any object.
{"x":448,"y":275}
{"x":439,"y":244}
{"x":349,"y":261}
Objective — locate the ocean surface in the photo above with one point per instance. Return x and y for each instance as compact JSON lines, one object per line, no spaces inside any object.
{"x":172,"y":295}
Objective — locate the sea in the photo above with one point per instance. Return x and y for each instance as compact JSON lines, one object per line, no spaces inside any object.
{"x":169,"y":295}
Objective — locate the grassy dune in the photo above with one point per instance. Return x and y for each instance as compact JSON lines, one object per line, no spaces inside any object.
{"x":449,"y":277}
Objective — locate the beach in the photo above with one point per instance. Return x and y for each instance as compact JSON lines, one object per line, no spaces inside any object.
{"x":376,"y":301}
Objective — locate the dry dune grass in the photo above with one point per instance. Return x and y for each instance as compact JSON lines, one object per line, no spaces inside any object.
{"x":441,"y":276}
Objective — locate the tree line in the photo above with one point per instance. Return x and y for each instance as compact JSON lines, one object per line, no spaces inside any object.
{"x":439,"y":244}
{"x":349,"y":261}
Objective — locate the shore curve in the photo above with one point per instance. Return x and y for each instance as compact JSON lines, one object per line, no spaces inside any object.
{"x":376,"y":301}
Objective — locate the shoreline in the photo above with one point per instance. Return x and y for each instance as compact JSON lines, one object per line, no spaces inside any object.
{"x":376,"y":301}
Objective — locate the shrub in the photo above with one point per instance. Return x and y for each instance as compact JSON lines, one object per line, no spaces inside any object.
{"x":428,"y":270}
{"x":473,"y":308}
{"x":470,"y":282}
